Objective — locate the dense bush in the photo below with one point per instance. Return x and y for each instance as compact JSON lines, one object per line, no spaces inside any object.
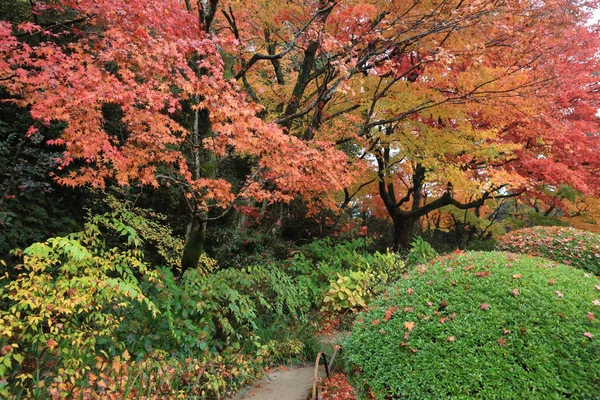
{"x":481,"y":325}
{"x":86,"y":314}
{"x":315,"y":267}
{"x":65,"y":304}
{"x":567,"y":245}
{"x":420,"y":252}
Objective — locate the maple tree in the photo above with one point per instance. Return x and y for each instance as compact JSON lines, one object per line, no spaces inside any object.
{"x":158,"y":68}
{"x":448,"y":103}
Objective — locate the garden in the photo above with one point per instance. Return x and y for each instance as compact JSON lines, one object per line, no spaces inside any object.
{"x":197,"y":195}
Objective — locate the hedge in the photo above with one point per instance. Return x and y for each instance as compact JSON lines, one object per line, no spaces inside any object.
{"x":480,"y":325}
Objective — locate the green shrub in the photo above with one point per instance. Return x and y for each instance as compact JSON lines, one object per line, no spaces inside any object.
{"x":420,"y":252}
{"x":66,"y":303}
{"x":570,"y":246}
{"x":207,"y":312}
{"x":349,"y":292}
{"x":313,"y":266}
{"x":481,"y":325}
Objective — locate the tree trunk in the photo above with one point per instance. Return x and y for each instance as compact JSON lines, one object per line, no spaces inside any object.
{"x":194,"y":245}
{"x":404,"y":232}
{"x":196,"y":232}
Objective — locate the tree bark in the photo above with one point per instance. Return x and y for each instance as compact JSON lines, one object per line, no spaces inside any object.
{"x":404,"y":232}
{"x":194,"y":245}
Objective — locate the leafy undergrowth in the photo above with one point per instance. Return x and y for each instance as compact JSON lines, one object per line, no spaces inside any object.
{"x":566,"y":245}
{"x":157,"y":376}
{"x":480,"y":325}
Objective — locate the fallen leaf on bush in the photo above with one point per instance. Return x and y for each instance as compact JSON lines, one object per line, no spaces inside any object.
{"x":597,"y":287}
{"x":443,"y":305}
{"x":451,"y":339}
{"x":429,"y":304}
{"x":453,"y":315}
{"x":588,"y":335}
{"x":443,"y":320}
{"x":501,"y":342}
{"x":590,"y":316}
{"x":375,"y":322}
{"x":51,"y":343}
{"x":484,"y":306}
{"x":482,"y":274}
{"x":403,"y":344}
{"x":409,"y":325}
{"x":506,"y":331}
{"x":559,"y":294}
{"x":515,"y":292}
{"x":389,"y":312}
{"x":552,"y":281}
{"x":517,"y":276}
{"x":406,"y":335}
{"x":523,"y":330}
{"x":430,"y":283}
{"x":408,"y":309}
{"x":382,"y":331}
{"x":596,"y":302}
{"x":413,"y":349}
{"x":409,"y":291}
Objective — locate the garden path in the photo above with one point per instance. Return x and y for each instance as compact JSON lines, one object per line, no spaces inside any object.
{"x":283,"y":384}
{"x":294,"y":383}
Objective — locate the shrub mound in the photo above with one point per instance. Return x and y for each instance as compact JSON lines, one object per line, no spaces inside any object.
{"x":480,"y":325}
{"x":570,"y":246}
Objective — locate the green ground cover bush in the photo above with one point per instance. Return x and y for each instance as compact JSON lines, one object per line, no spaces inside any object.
{"x":570,"y":246}
{"x":481,"y":325}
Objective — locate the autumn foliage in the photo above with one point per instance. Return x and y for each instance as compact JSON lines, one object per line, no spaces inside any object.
{"x":153,"y":61}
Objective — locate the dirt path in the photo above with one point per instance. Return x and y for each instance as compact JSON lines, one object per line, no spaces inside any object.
{"x":291,"y":384}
